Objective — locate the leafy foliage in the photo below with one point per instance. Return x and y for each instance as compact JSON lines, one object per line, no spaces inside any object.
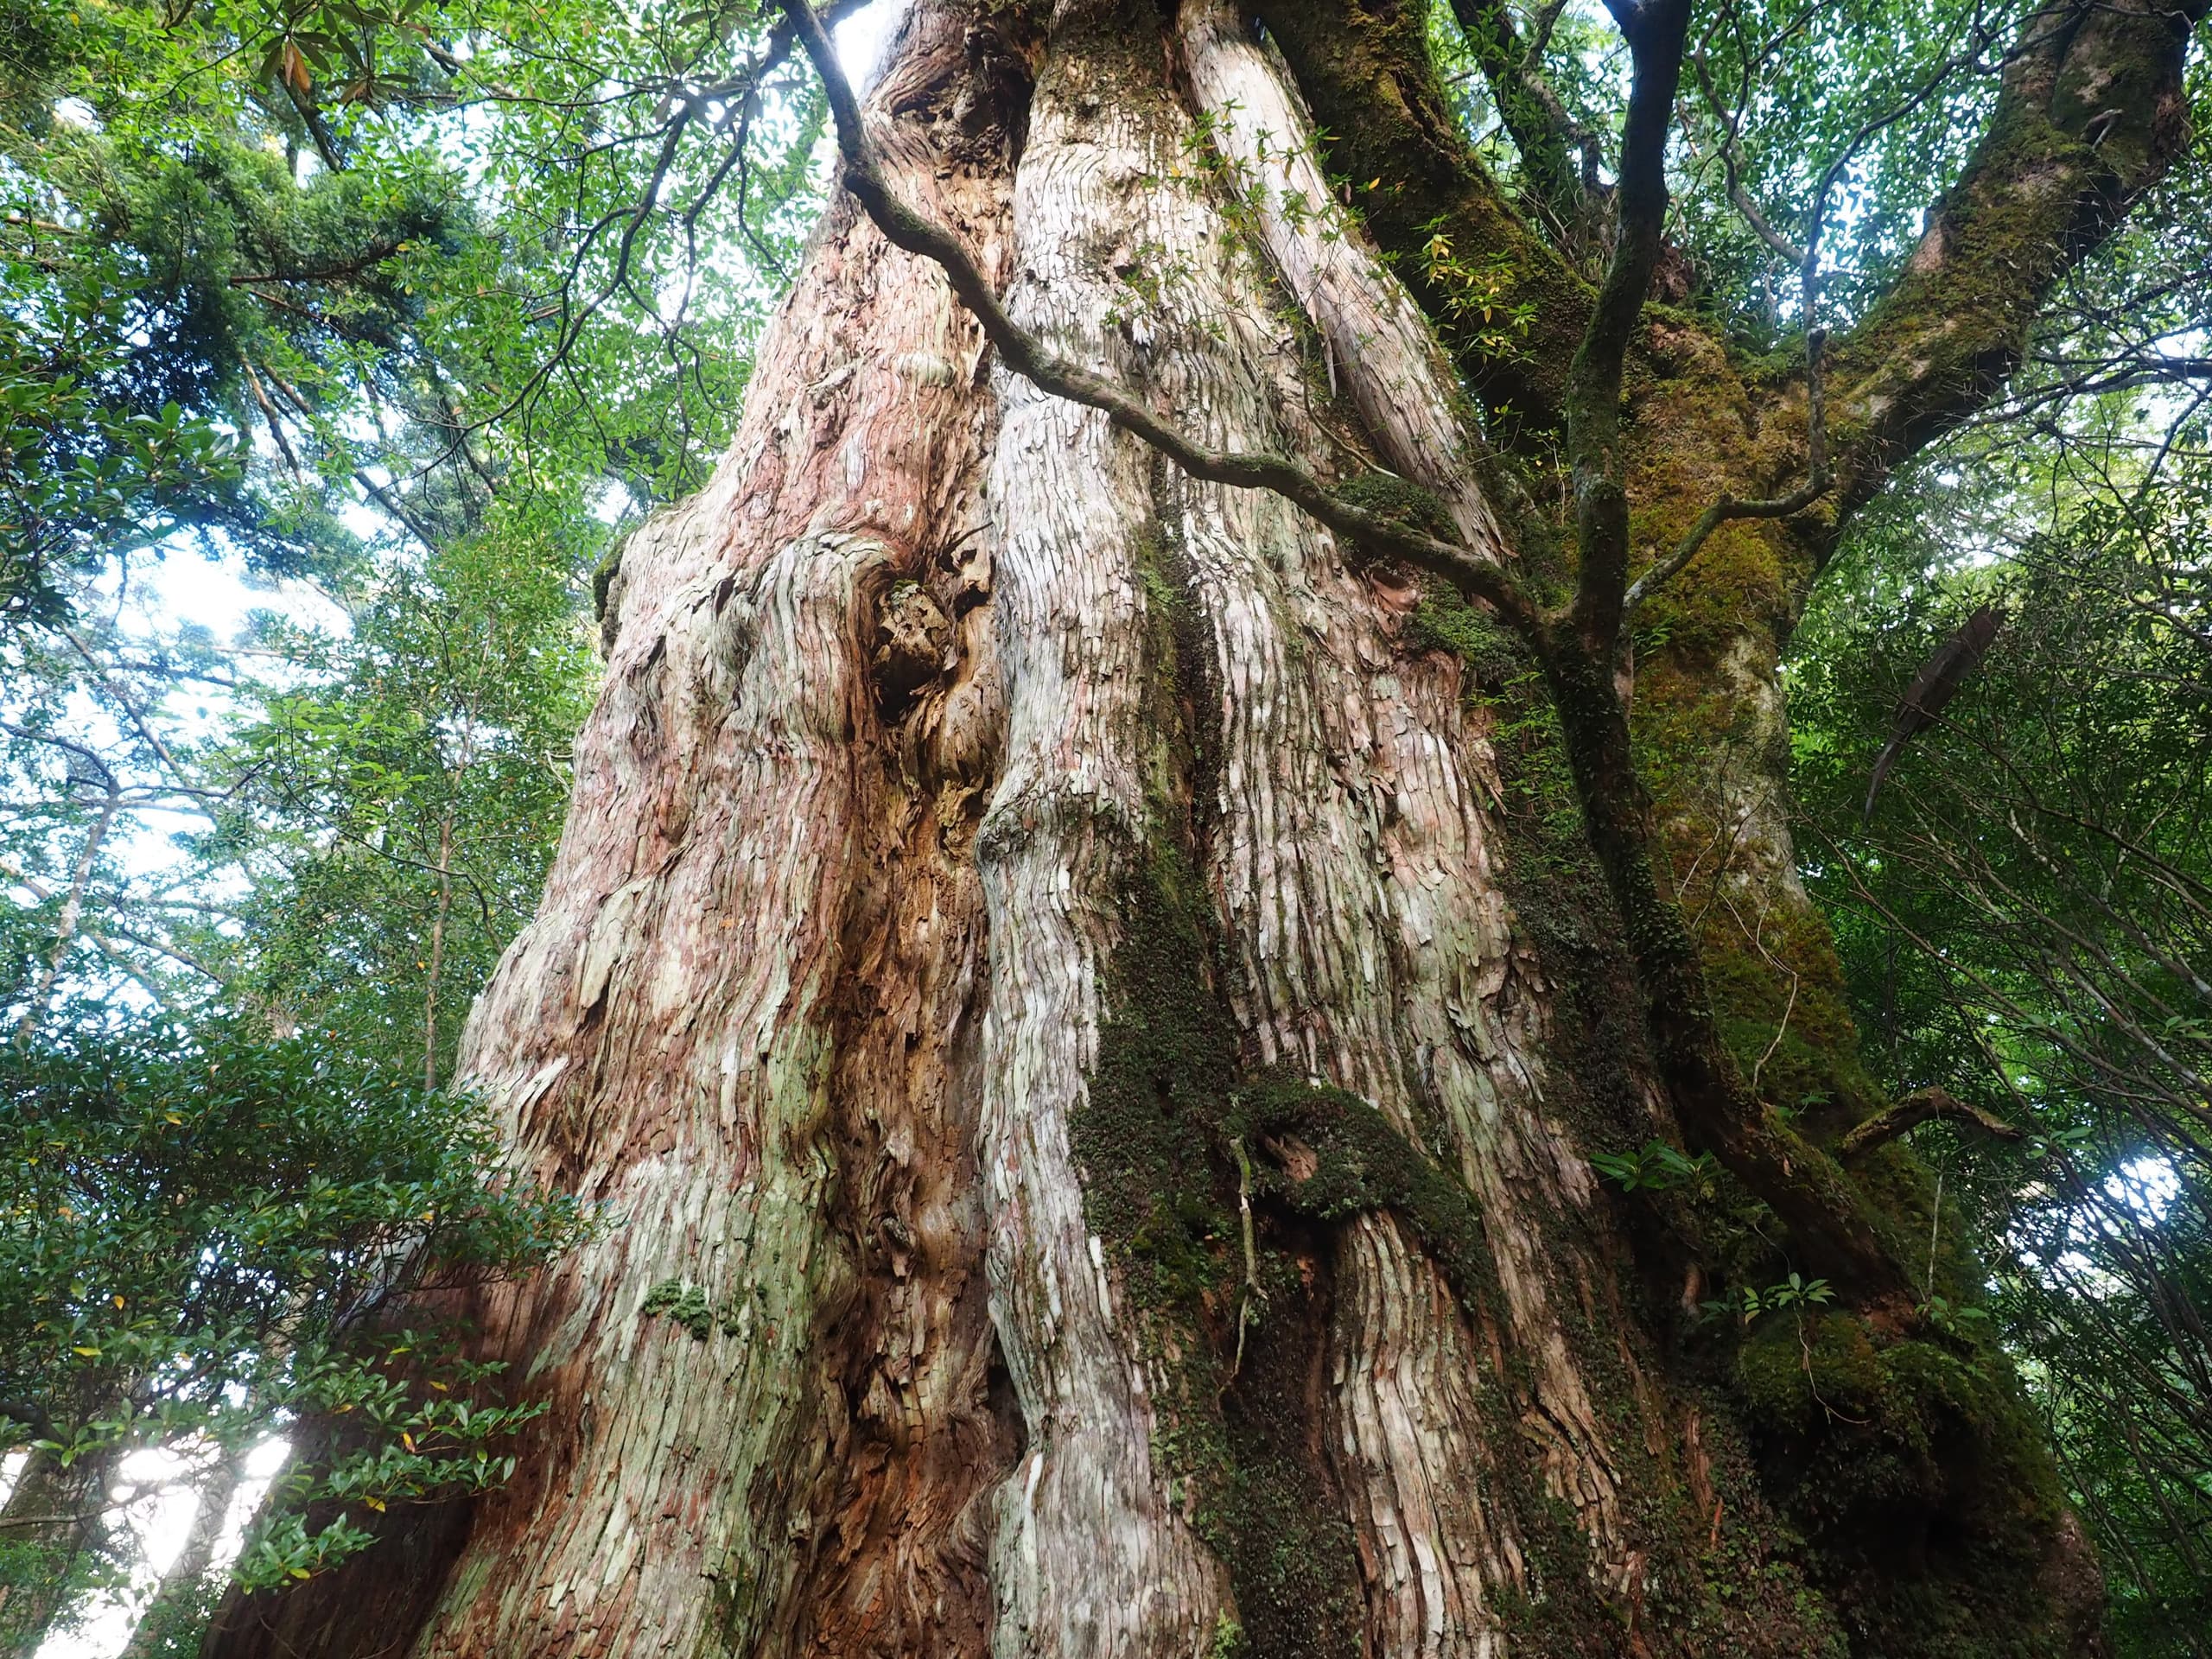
{"x":2024,"y":922}
{"x":88,"y":465}
{"x":407,"y":312}
{"x":1653,"y":1168}
{"x":398,"y":807}
{"x":204,"y":1229}
{"x":1747,"y":1302}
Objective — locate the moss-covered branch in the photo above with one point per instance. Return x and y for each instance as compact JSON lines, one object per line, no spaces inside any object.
{"x":1916,"y":1108}
{"x":1655,"y":30}
{"x":2091,"y":113}
{"x":1837,"y":1230}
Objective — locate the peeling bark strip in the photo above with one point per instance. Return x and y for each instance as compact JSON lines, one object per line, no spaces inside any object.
{"x":1400,"y":382}
{"x":1093,"y":1556}
{"x":1100,"y":1164}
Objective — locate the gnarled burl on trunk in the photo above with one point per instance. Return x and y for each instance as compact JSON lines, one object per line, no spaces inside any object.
{"x":1047,"y":971}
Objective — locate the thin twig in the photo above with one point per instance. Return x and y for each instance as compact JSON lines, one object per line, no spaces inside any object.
{"x":1245,"y":1315}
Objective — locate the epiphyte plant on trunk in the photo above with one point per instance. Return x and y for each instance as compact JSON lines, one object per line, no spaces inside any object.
{"x":1041,"y":963}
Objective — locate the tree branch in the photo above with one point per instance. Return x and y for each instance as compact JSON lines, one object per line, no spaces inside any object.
{"x":1548,"y":138}
{"x":1917,"y":1108}
{"x":311,"y":118}
{"x":1655,"y":30}
{"x":1729,"y":148}
{"x":2091,"y":113}
{"x":388,"y":498}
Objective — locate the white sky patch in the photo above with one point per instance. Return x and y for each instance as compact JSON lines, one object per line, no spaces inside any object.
{"x":221,"y":596}
{"x":861,"y":37}
{"x":2146,"y":1185}
{"x":157,"y":1521}
{"x":186,"y":590}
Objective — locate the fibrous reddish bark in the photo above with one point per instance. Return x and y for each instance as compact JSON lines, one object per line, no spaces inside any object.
{"x":945,"y":704}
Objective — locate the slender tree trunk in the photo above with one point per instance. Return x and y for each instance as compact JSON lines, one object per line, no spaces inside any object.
{"x":1041,"y":949}
{"x":55,"y":1517}
{"x":72,"y":910}
{"x":437,"y":951}
{"x":178,"y":1602}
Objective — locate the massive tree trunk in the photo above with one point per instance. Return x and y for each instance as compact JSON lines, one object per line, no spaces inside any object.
{"x":1071,"y":979}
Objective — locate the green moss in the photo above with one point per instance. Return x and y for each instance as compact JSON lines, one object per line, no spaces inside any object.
{"x":1445,"y":621}
{"x":602,"y":578}
{"x":693,"y":1309}
{"x":1147,"y":1139}
{"x":1238,"y":1441}
{"x":1401,"y":500}
{"x":1159,"y":1188}
{"x":684,"y":1304}
{"x":1169,"y":1103}
{"x":1362,"y":1165}
{"x":1916,"y":1470}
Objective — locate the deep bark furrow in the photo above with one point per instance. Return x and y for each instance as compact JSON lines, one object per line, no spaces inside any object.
{"x":897,"y":1563}
{"x":1443,"y":913}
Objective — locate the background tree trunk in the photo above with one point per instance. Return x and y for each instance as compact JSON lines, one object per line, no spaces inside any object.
{"x":179,"y":1601}
{"x":55,"y":1520}
{"x":1000,"y":866}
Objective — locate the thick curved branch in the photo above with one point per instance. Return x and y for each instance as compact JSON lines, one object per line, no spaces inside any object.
{"x":1917,"y":1108}
{"x":2091,"y":113}
{"x":1655,"y":30}
{"x":905,"y":227}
